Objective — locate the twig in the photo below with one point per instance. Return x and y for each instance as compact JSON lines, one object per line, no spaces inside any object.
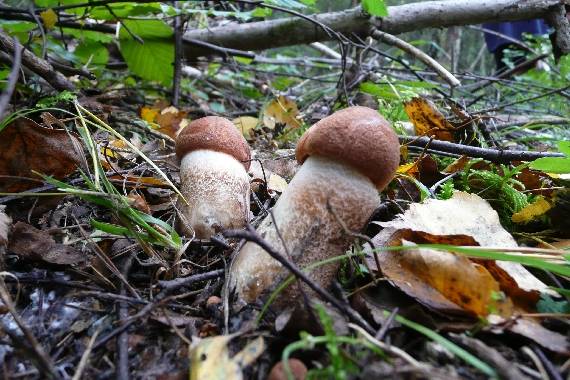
{"x":502,"y":106}
{"x":410,"y":49}
{"x":43,"y":361}
{"x":12,"y":78}
{"x":85,"y":357}
{"x":39,"y":66}
{"x":494,"y":155}
{"x":251,"y":235}
{"x":168,"y":287}
{"x":504,"y":368}
{"x":123,"y":338}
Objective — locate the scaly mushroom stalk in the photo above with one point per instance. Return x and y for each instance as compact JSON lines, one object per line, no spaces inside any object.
{"x":347,"y":157}
{"x":213,"y":177}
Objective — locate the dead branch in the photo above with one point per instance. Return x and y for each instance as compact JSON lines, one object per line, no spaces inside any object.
{"x":39,"y":66}
{"x":403,"y":18}
{"x":494,"y":155}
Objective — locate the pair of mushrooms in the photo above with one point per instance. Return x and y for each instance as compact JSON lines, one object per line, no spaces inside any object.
{"x":346,"y":159}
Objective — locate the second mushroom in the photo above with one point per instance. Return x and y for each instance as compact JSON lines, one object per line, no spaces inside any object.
{"x":347,"y":158}
{"x":214,"y":159}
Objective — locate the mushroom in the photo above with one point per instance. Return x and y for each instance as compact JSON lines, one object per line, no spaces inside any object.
{"x":346,"y":159}
{"x":214,"y":159}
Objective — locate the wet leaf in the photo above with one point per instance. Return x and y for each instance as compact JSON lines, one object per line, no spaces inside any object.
{"x":281,"y":110}
{"x":428,"y":121}
{"x":26,"y":147}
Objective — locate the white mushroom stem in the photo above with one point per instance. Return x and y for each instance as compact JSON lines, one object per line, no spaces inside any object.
{"x":216,"y":186}
{"x":310,"y":231}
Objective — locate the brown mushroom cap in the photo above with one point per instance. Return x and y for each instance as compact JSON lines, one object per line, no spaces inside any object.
{"x":357,"y":136}
{"x":213,"y":133}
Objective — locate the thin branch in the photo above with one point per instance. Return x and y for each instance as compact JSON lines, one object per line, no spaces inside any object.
{"x":410,"y":49}
{"x":12,"y":79}
{"x":494,"y":155}
{"x":39,"y":66}
{"x":251,"y":235}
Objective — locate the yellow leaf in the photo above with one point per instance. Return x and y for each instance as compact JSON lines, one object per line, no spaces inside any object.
{"x":49,"y":18}
{"x":428,"y":120}
{"x":246,"y":124}
{"x":149,"y":114}
{"x":281,"y":110}
{"x":531,"y":211}
{"x":210,"y":359}
{"x":410,"y":168}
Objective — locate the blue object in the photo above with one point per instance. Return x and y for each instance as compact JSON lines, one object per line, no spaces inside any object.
{"x":513,"y":29}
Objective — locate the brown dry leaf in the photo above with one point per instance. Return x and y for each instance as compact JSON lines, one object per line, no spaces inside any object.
{"x":246,"y":124}
{"x":468,"y":214}
{"x":532,"y":329}
{"x":281,"y":110}
{"x":530,"y":212}
{"x":440,"y":280}
{"x":167,"y":119}
{"x":32,"y":244}
{"x":27,"y":147}
{"x":428,"y":120}
{"x":139,"y":202}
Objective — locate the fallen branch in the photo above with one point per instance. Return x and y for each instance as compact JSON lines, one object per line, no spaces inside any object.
{"x":494,"y":155}
{"x":403,"y":18}
{"x":39,"y":66}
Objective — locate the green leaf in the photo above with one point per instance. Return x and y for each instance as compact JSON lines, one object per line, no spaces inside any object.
{"x":89,"y":35}
{"x":93,"y":52}
{"x":154,"y":59}
{"x":564,"y":147}
{"x":547,"y":304}
{"x":557,"y":165}
{"x":375,"y":8}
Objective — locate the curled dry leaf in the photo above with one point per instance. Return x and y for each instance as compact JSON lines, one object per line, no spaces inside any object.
{"x":35,"y":245}
{"x":428,"y":121}
{"x":440,"y":280}
{"x":26,"y":147}
{"x":467,"y":214}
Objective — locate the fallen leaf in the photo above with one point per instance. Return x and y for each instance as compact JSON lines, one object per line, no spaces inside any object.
{"x":532,"y":211}
{"x":441,"y":280}
{"x":246,"y":124}
{"x":32,"y":244}
{"x":467,"y":214}
{"x":281,"y":110}
{"x":26,"y":147}
{"x":210,"y":358}
{"x":164,"y":118}
{"x":428,"y":121}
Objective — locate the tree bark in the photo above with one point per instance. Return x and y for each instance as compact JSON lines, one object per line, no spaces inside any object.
{"x":403,"y":18}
